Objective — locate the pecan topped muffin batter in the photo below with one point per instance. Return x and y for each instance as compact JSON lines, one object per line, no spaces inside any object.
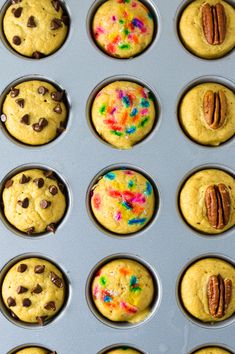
{"x":207,"y":201}
{"x":35,"y":28}
{"x":33,"y":290}
{"x":207,"y":290}
{"x":207,"y":28}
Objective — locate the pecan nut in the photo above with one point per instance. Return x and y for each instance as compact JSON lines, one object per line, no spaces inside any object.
{"x":214,"y":23}
{"x":218,"y":205}
{"x":219,"y":294}
{"x":215,"y":108}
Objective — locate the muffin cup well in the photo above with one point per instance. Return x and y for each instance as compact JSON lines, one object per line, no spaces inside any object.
{"x":220,"y":346}
{"x":157,"y":291}
{"x":66,"y":192}
{"x":104,"y":83}
{"x":66,"y":101}
{"x":99,"y":176}
{"x":227,"y":232}
{"x":194,"y":320}
{"x":120,"y":345}
{"x":202,"y":80}
{"x":25,"y":346}
{"x":11,"y":317}
{"x":4,"y":40}
{"x":156,"y":18}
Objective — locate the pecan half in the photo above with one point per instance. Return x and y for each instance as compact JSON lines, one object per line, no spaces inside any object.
{"x":215,"y":108}
{"x":219,"y":293}
{"x":214,"y":23}
{"x":218,"y":205}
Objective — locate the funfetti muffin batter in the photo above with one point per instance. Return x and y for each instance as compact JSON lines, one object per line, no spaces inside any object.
{"x":207,"y":290}
{"x":123,"y":201}
{"x":207,"y":28}
{"x":212,"y":350}
{"x":123,"y":28}
{"x":34,"y":350}
{"x":33,"y":201}
{"x":123,"y":350}
{"x":33,"y":290}
{"x":123,"y":113}
{"x":35,"y":28}
{"x":123,"y":290}
{"x":207,"y":113}
{"x":207,"y":201}
{"x":34,"y":112}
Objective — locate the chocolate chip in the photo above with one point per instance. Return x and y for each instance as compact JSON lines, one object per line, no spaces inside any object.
{"x":24,"y":179}
{"x":56,"y":4}
{"x":15,"y":1}
{"x":39,"y":182}
{"x":57,"y":96}
{"x":30,"y":230}
{"x":58,"y":109}
{"x":44,"y":204}
{"x":60,"y":130}
{"x":16,"y":40}
{"x":43,"y":122}
{"x":53,"y":190}
{"x":24,"y":203}
{"x":14,"y":92}
{"x":31,"y":22}
{"x":50,"y":306}
{"x":25,"y":119}
{"x":37,"y":289}
{"x":41,"y":320}
{"x":11,"y":302}
{"x":39,"y":269}
{"x":22,"y":268}
{"x":65,"y":20}
{"x":14,"y":315}
{"x":9,"y":183}
{"x":21,"y":290}
{"x":26,"y":302}
{"x":56,"y":23}
{"x":61,"y":187}
{"x":51,"y":228}
{"x":42,"y":90}
{"x":37,"y":128}
{"x":20,"y":102}
{"x":56,"y":280}
{"x":49,"y":174}
{"x":17,"y":12}
{"x":37,"y":55}
{"x":3,"y":118}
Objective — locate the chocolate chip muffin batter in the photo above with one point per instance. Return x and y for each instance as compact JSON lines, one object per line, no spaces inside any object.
{"x":33,"y":201}
{"x":35,"y":28}
{"x":207,"y":201}
{"x":34,"y":350}
{"x":33,"y":290}
{"x":212,"y":350}
{"x":34,"y":112}
{"x":207,"y":290}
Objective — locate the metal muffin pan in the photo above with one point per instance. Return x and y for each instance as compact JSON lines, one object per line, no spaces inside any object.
{"x":166,"y":155}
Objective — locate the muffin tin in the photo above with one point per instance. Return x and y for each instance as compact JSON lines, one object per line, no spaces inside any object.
{"x":167,"y":156}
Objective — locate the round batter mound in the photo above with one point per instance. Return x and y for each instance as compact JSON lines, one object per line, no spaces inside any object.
{"x":35,"y":28}
{"x":200,"y":33}
{"x":207,"y":290}
{"x":207,"y":201}
{"x":34,"y":112}
{"x":34,"y":290}
{"x":207,"y":114}
{"x":123,"y":290}
{"x":212,"y":350}
{"x":123,"y":29}
{"x":123,"y":350}
{"x":34,"y":350}
{"x":123,"y":113}
{"x":33,"y":201}
{"x":123,"y":201}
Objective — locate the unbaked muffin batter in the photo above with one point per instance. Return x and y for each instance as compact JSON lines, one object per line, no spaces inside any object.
{"x":123,"y":290}
{"x":212,"y":350}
